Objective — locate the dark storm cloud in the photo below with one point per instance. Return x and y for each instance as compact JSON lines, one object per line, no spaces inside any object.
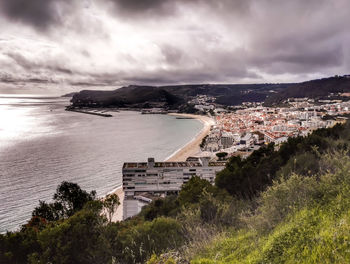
{"x":37,"y":13}
{"x":140,"y":5}
{"x":16,"y":80}
{"x":172,"y":54}
{"x":178,"y":41}
{"x":37,"y":66}
{"x":159,"y":8}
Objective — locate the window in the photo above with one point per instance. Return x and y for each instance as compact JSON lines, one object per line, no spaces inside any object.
{"x":126,"y":179}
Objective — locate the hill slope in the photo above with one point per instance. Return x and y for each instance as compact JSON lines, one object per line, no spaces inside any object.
{"x":138,"y":96}
{"x":225,"y":94}
{"x":312,"y":89}
{"x":132,"y":95}
{"x":316,"y":233}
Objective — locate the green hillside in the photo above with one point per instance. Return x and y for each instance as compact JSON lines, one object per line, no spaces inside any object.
{"x":317,"y":89}
{"x":316,"y":229}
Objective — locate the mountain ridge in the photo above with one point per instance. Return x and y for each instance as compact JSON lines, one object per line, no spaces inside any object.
{"x":173,"y":96}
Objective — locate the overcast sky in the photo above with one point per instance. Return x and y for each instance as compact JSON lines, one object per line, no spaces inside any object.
{"x":54,"y":46}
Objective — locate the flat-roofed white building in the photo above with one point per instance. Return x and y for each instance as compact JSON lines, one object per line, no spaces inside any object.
{"x":142,"y":180}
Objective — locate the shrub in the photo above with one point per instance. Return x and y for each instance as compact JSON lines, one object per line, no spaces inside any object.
{"x":143,"y":240}
{"x":282,"y":198}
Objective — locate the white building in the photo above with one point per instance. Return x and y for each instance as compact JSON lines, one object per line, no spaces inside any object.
{"x":247,"y":140}
{"x":144,"y":180}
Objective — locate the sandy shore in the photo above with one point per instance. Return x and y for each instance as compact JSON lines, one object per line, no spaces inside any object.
{"x":192,"y":148}
{"x":118,"y":215}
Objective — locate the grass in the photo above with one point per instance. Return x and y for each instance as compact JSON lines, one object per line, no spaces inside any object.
{"x":298,"y":219}
{"x":316,"y":228}
{"x":318,"y":235}
{"x":309,"y":237}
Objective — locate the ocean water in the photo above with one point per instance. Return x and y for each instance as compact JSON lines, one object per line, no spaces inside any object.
{"x":42,"y":145}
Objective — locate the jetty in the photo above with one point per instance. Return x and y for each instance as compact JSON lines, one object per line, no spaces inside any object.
{"x":180,"y":117}
{"x":87,"y":112}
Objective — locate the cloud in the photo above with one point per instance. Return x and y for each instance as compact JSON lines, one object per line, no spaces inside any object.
{"x":158,"y":9}
{"x":117,"y":42}
{"x":136,"y":6}
{"x":38,"y":13}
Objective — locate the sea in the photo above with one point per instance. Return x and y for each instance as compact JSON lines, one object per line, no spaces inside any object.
{"x":42,"y":145}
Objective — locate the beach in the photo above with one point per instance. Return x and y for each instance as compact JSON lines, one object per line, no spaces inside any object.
{"x":190,"y":149}
{"x":118,"y":215}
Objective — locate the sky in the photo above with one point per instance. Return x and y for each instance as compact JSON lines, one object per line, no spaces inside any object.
{"x":59,"y":46}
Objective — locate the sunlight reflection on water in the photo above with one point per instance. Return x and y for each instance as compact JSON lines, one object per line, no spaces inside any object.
{"x":41,"y":145}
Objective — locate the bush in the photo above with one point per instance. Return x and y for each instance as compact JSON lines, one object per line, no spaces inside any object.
{"x":303,"y":219}
{"x":168,"y":206}
{"x":281,"y":199}
{"x":192,"y":191}
{"x":79,"y":239}
{"x":143,"y":240}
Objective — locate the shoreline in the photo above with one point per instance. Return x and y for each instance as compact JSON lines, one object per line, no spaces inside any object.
{"x":192,"y":148}
{"x":189,"y":149}
{"x":118,"y":215}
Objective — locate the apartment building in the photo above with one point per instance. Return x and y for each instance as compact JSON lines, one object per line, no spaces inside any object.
{"x":144,"y":181}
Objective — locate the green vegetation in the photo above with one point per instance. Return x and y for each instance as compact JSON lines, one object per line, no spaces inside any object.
{"x":298,"y":220}
{"x":203,"y":141}
{"x":221,"y":155}
{"x":285,"y":205}
{"x":111,"y":204}
{"x":87,"y":236}
{"x":247,"y":178}
{"x":68,"y":200}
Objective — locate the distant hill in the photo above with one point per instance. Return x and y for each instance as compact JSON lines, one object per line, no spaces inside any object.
{"x":229,"y":94}
{"x":130,"y":96}
{"x":175,"y":95}
{"x":316,"y":89}
{"x":69,"y":94}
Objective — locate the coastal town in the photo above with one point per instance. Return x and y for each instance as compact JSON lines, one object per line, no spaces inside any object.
{"x":227,"y":132}
{"x":245,"y":130}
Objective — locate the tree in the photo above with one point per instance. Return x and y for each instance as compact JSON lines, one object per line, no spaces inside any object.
{"x":15,"y":247}
{"x":50,"y":212}
{"x":72,"y":197}
{"x":168,"y":206}
{"x":111,"y":204}
{"x":78,"y":239}
{"x":221,"y":155}
{"x":68,"y":199}
{"x":192,"y":191}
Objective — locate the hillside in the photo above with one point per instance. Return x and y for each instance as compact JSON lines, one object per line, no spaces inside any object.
{"x":229,"y":94}
{"x":316,"y":89}
{"x":172,"y":96}
{"x":137,"y":96}
{"x":316,"y":228}
{"x":175,"y":96}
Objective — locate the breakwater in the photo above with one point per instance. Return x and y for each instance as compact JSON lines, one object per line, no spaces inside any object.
{"x":88,"y":112}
